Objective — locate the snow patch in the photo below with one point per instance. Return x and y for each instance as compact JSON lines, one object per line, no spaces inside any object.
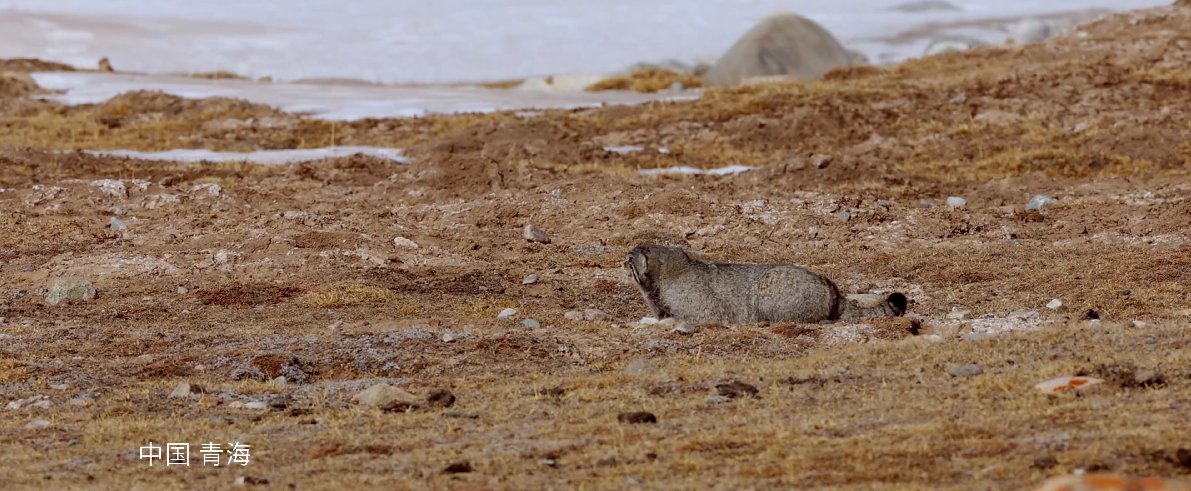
{"x":687,"y":170}
{"x":272,"y":157}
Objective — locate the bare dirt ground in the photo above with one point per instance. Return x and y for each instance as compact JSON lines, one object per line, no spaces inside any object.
{"x":213,"y":273}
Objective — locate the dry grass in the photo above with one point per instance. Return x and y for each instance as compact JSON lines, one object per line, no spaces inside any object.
{"x":346,"y":295}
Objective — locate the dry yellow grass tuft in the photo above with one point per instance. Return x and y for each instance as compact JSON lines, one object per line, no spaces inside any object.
{"x":647,"y":80}
{"x":347,"y":295}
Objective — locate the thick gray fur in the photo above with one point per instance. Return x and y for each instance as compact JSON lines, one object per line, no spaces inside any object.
{"x":676,"y":285}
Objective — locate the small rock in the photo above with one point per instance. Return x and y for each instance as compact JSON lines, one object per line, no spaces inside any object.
{"x":256,"y":405}
{"x":534,"y":234}
{"x":718,"y":399}
{"x":969,"y":370}
{"x":1067,"y":383}
{"x":117,"y":224}
{"x":1040,"y":201}
{"x":69,"y":289}
{"x":843,"y":215}
{"x":637,"y":417}
{"x":182,"y":290}
{"x":37,"y":424}
{"x":506,"y":314}
{"x":596,"y":315}
{"x":821,"y":161}
{"x":386,"y":397}
{"x":1090,"y":315}
{"x":529,"y":280}
{"x":184,"y":390}
{"x":884,"y":203}
{"x":531,"y":323}
{"x":1054,"y":304}
{"x":440,"y":399}
{"x":735,"y":389}
{"x":685,"y":328}
{"x":959,"y":98}
{"x":1138,"y":324}
{"x":404,"y":243}
{"x":280,"y":381}
{"x":956,"y":202}
{"x":573,"y":315}
{"x":549,"y":463}
{"x":645,"y":321}
{"x":957,"y":314}
{"x":458,"y":468}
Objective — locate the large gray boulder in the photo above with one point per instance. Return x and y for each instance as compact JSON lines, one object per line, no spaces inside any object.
{"x":782,"y":44}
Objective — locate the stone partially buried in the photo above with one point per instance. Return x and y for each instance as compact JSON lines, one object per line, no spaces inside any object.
{"x":782,"y":44}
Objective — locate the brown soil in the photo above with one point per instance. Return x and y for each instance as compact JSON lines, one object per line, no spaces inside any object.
{"x":648,"y":80}
{"x":226,"y":274}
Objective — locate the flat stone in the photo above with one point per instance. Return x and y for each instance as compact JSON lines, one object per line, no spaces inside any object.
{"x":507,"y":314}
{"x":529,"y":280}
{"x":69,"y":289}
{"x":1054,"y":304}
{"x":685,"y":328}
{"x":956,"y":202}
{"x":256,"y":405}
{"x":968,"y":370}
{"x":37,"y":424}
{"x":531,"y":323}
{"x":404,"y":243}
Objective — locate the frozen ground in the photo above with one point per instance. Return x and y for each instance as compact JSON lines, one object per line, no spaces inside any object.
{"x":402,"y":41}
{"x":332,"y":101}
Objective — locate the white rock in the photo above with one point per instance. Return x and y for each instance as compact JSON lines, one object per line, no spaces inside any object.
{"x":255,"y":405}
{"x":718,"y":399}
{"x":685,"y":328}
{"x":529,"y":280}
{"x":648,"y":321}
{"x":1054,"y":304}
{"x":1040,"y":201}
{"x":507,"y":313}
{"x":668,"y":323}
{"x":956,"y":202}
{"x":404,"y":243}
{"x":531,"y":323}
{"x":183,"y":290}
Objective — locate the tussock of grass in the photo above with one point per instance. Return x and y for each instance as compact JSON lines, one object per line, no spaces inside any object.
{"x":347,"y":295}
{"x":647,"y":80}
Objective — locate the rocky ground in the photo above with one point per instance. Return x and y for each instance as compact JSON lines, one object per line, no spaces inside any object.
{"x":348,"y":318}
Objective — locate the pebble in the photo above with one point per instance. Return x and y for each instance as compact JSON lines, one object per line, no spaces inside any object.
{"x":37,"y":424}
{"x":1067,"y":383}
{"x":255,"y":405}
{"x":404,"y":243}
{"x":386,"y":397}
{"x":529,"y":280}
{"x":506,"y":314}
{"x":969,"y":370}
{"x":184,"y":390}
{"x":843,"y":215}
{"x":449,"y":337}
{"x":1054,"y":304}
{"x":531,"y":323}
{"x":117,"y":224}
{"x":1040,"y":201}
{"x":637,"y":417}
{"x":534,"y":234}
{"x":956,"y":202}
{"x":69,"y":289}
{"x":182,"y":290}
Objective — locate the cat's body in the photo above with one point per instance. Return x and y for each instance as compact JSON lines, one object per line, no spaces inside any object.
{"x":676,"y":285}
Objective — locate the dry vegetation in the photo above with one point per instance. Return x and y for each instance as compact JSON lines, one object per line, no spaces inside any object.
{"x":227,"y":270}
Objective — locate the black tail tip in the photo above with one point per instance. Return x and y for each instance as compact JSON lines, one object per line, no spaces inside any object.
{"x":899,"y":302}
